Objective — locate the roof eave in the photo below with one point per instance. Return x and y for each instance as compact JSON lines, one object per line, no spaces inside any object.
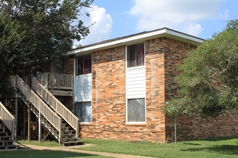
{"x":164,"y":32}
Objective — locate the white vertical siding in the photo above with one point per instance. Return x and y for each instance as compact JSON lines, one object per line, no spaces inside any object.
{"x":83,"y":88}
{"x":135,"y":82}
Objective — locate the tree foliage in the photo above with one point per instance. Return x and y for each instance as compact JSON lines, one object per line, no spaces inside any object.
{"x":209,"y":76}
{"x":33,"y":31}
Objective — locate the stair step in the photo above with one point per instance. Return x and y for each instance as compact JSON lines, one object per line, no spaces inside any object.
{"x":67,"y":128}
{"x":69,"y":139}
{"x":5,"y":130}
{"x":71,"y":143}
{"x":69,"y":133}
{"x":5,"y":138}
{"x":8,"y":147}
{"x":3,"y":134}
{"x":65,"y":125}
{"x":66,"y":134}
{"x":4,"y":143}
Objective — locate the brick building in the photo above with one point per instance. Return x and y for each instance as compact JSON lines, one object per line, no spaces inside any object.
{"x":120,"y":85}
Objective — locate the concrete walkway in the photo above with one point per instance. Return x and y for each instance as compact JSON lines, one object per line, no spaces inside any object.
{"x":71,"y":149}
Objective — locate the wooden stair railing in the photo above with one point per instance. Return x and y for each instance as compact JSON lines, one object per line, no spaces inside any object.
{"x":59,"y":108}
{"x":38,"y":103}
{"x":8,"y":119}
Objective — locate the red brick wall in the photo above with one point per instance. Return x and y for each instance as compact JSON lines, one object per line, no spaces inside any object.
{"x":195,"y":127}
{"x":192,"y":127}
{"x":109,"y":101}
{"x":155,"y":89}
{"x":108,"y":95}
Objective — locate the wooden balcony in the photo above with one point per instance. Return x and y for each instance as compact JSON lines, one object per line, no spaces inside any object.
{"x":57,"y":84}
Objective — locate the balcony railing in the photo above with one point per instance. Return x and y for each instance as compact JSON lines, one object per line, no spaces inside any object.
{"x":56,"y":81}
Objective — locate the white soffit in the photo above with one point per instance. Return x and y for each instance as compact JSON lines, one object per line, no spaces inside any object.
{"x":165,"y":32}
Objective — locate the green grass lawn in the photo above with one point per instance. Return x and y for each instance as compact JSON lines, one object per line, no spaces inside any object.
{"x":44,"y":154}
{"x":213,"y":148}
{"x":44,"y":143}
{"x":21,"y":153}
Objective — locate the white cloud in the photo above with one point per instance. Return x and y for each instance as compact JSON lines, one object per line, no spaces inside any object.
{"x":225,"y":14}
{"x":101,"y":25}
{"x":194,"y":29}
{"x":183,"y":15}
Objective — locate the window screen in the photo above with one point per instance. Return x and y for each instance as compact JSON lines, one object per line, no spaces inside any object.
{"x":83,"y":111}
{"x":136,"y":110}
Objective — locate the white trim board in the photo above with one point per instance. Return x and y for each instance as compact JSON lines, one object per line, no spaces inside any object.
{"x":136,"y":38}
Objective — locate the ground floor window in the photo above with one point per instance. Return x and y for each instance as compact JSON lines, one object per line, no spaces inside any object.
{"x":136,"y":110}
{"x":83,"y":111}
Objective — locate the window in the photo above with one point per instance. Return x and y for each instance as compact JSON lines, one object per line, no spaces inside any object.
{"x":84,"y":65}
{"x":83,"y":111}
{"x":136,"y":110}
{"x":135,"y":55}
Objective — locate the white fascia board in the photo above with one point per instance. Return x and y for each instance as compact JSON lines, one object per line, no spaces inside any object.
{"x":140,"y":37}
{"x":185,"y":36}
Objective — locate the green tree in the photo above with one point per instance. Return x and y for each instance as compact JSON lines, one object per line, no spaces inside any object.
{"x":209,"y":76}
{"x":39,"y":30}
{"x":11,"y":35}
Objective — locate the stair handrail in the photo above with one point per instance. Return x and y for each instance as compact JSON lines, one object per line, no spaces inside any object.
{"x":63,"y":111}
{"x":38,"y":103}
{"x":8,"y":119}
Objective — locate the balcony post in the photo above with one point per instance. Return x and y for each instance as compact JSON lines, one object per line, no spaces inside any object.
{"x":29,"y":123}
{"x":16,"y":115}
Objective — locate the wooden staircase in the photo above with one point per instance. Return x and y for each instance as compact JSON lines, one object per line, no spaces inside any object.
{"x":6,"y":142}
{"x":7,"y":124}
{"x":52,"y":115}
{"x":70,"y":125}
{"x":44,"y":122}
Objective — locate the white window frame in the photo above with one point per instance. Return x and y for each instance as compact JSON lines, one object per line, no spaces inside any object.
{"x":137,"y":97}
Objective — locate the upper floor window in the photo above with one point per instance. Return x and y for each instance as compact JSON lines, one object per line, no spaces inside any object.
{"x":84,"y":65}
{"x":135,"y":55}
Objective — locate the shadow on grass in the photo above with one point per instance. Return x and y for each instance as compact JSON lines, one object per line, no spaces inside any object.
{"x":220,"y":139}
{"x":45,"y":154}
{"x":221,"y":149}
{"x":191,"y":143}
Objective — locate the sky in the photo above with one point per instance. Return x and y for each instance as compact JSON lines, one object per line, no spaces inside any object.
{"x":115,"y":18}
